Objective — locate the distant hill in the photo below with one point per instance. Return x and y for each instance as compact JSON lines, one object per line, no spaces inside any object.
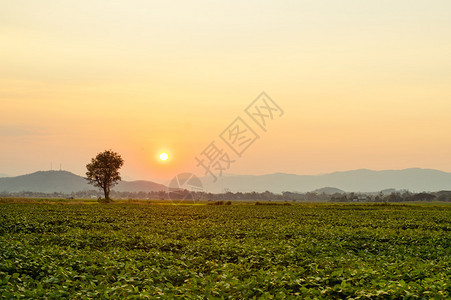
{"x":328,"y":191}
{"x":415,"y":180}
{"x":388,"y":191}
{"x":3,"y":175}
{"x":139,"y":186}
{"x":67,"y":182}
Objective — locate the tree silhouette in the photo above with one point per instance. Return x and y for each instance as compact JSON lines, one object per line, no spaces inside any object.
{"x":103,"y":171}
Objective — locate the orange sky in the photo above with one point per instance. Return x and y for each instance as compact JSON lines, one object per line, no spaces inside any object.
{"x":362,"y":85}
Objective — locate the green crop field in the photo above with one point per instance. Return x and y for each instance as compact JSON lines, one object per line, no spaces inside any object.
{"x":360,"y":251}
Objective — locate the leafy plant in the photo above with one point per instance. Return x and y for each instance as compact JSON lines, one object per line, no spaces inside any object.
{"x":358,"y":251}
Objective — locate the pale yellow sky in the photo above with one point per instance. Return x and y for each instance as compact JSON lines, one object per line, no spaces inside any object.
{"x":363,"y":84}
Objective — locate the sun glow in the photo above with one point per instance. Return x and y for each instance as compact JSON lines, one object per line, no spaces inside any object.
{"x":164,"y":156}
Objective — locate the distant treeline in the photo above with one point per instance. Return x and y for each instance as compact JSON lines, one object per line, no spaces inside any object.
{"x":403,"y":196}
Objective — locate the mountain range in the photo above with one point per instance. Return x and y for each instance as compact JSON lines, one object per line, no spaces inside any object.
{"x":415,"y":180}
{"x":363,"y":180}
{"x":67,"y":182}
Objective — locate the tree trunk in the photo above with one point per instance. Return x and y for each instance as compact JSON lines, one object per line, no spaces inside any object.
{"x":106,"y":191}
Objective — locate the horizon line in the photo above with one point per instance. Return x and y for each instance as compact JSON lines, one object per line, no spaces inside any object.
{"x":248,"y":175}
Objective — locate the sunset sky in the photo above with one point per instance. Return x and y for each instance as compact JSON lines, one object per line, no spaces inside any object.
{"x":362,"y":84}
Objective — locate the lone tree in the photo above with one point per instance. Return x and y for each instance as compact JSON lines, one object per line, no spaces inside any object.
{"x":103,"y":171}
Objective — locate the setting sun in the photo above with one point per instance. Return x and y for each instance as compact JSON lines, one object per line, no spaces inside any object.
{"x":164,"y":156}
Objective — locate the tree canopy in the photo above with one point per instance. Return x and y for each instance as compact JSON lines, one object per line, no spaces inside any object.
{"x":103,"y":171}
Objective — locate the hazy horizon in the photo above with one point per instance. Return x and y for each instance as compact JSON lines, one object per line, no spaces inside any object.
{"x":207,"y":179}
{"x":360,"y":85}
